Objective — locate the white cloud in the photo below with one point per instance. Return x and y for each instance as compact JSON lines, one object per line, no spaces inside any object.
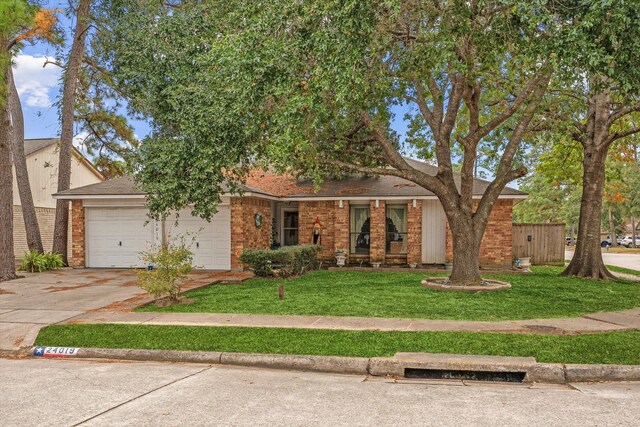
{"x":35,"y":84}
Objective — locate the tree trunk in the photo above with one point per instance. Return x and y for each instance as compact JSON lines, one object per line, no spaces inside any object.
{"x":612,"y":229}
{"x":7,"y":257}
{"x":466,"y":249}
{"x":466,"y":259}
{"x":633,"y":233}
{"x":587,"y":258}
{"x":61,"y":229}
{"x":34,"y":241}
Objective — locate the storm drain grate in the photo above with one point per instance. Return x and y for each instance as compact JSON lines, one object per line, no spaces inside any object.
{"x":451,"y":374}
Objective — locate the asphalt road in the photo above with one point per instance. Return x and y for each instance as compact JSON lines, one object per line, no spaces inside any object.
{"x":621,"y":260}
{"x":65,"y":392}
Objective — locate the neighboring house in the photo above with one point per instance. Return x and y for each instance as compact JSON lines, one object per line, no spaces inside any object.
{"x":42,"y":165}
{"x":375,"y":219}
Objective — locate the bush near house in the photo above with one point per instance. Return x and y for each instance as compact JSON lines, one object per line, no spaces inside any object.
{"x":284,"y":262}
{"x":169,"y":266}
{"x":35,"y":261}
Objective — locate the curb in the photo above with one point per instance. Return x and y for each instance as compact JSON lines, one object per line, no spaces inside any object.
{"x":550,"y":373}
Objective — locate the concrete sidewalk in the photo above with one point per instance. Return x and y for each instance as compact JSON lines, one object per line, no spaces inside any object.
{"x":592,"y":323}
{"x":36,"y":300}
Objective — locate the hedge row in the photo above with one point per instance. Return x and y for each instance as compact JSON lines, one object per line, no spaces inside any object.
{"x":286,"y":261}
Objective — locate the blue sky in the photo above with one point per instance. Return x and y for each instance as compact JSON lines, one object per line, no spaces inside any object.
{"x":39,"y":86}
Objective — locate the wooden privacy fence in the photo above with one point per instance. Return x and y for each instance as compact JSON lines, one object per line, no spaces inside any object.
{"x":543,"y":243}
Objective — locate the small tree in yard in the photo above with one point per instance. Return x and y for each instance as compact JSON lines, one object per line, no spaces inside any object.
{"x":170,"y":265}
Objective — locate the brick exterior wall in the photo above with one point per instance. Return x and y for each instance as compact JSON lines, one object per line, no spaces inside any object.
{"x":77,"y":234}
{"x":324,"y":211}
{"x":377,"y":247}
{"x":496,"y":246}
{"x":46,"y":221}
{"x":244,"y":233}
{"x":341,"y":228}
{"x":414,"y":233}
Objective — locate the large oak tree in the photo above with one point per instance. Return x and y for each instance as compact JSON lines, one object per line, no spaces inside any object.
{"x":597,"y":96}
{"x":312,"y":87}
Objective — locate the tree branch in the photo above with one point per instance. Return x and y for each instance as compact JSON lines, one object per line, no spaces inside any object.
{"x":623,"y":112}
{"x":623,"y":134}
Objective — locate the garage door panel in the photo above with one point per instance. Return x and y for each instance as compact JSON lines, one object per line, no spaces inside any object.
{"x":116,"y":236}
{"x":210,"y":242}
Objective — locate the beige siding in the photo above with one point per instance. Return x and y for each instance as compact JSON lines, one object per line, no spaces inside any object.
{"x":433,"y":232}
{"x":46,"y":218}
{"x":43,"y":176}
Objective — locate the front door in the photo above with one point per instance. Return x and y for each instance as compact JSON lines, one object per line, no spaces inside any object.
{"x":289,"y":227}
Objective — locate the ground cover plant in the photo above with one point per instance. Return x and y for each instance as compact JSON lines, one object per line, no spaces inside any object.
{"x":543,"y":294}
{"x":611,"y":348}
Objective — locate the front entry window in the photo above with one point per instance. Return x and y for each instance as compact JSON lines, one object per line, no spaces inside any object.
{"x":396,"y":229}
{"x":359,"y":229}
{"x":290,"y":228}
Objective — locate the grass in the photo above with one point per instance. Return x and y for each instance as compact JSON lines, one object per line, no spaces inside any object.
{"x":609,"y":348}
{"x":621,"y":250}
{"x":624,"y":270}
{"x":400,"y":295}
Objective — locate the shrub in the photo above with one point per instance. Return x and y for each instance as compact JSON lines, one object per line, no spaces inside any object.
{"x":285,"y":262}
{"x":170,"y":264}
{"x":34,"y":261}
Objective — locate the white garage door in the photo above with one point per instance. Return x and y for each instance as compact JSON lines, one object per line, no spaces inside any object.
{"x":116,"y":236}
{"x":210,"y":241}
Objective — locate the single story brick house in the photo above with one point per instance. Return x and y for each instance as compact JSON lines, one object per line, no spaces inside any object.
{"x":373,"y":218}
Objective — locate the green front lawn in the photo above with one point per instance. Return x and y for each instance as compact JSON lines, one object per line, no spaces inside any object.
{"x":383,"y":294}
{"x":611,"y":348}
{"x":623,"y":270}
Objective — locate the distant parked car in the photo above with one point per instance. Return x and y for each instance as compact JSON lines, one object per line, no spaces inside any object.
{"x":570,"y":241}
{"x":628,"y":241}
{"x":607,"y":242}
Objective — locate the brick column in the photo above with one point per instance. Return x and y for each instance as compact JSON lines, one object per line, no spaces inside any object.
{"x":378,"y":224}
{"x":237,"y":232}
{"x":308,"y":212}
{"x":341,"y":228}
{"x":77,"y":234}
{"x":414,"y":233}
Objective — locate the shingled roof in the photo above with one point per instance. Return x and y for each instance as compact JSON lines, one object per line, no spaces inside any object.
{"x":287,"y":187}
{"x":360,"y":185}
{"x":33,"y":145}
{"x":126,"y":186}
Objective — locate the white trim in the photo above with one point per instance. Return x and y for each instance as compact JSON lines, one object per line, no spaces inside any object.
{"x":285,"y":199}
{"x":397,"y":198}
{"x":144,"y":196}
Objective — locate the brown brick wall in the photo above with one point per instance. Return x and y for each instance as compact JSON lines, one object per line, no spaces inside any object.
{"x":341,"y":228}
{"x":377,"y":247}
{"x":324,"y":211}
{"x":496,"y":245}
{"x":244,"y":233}
{"x":414,"y":230}
{"x":77,"y":234}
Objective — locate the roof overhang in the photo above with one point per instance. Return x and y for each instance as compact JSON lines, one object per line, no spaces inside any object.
{"x":278,"y":199}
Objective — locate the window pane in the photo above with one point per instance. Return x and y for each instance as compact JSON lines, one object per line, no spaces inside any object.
{"x":396,"y":229}
{"x":290,"y":219}
{"x":359,"y":225}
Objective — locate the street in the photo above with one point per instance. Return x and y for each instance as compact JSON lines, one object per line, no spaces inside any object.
{"x":67,"y":392}
{"x":620,"y":260}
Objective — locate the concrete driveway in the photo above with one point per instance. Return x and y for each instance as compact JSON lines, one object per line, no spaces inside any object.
{"x":621,"y":260}
{"x":36,"y":300}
